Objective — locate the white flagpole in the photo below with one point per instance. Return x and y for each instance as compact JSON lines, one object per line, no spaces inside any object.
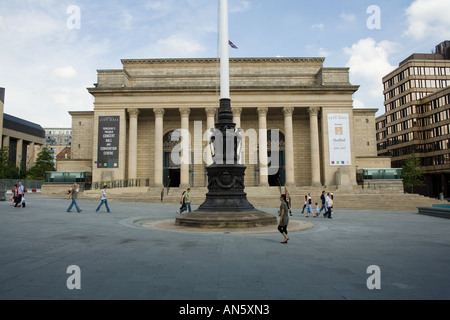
{"x":224,"y":52}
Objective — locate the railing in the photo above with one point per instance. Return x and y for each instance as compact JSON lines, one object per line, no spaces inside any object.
{"x":8,"y":184}
{"x":116,"y":184}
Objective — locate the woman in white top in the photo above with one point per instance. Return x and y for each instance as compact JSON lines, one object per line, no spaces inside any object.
{"x":104,"y":200}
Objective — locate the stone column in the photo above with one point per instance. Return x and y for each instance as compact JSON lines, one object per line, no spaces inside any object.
{"x":263,"y":159}
{"x":6,"y":141}
{"x":132,"y":146}
{"x":19,"y":155}
{"x":237,"y":111}
{"x":210,"y":124}
{"x":237,"y":120}
{"x":210,"y":118}
{"x":289,"y":146}
{"x":159,"y":152}
{"x":30,"y":156}
{"x":185,"y":156}
{"x":315,"y":155}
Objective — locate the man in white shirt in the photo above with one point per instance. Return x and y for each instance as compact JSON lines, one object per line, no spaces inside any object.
{"x":329,"y":204}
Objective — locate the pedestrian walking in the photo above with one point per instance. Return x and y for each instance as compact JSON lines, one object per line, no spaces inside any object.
{"x":305,"y":204}
{"x":187,"y":199}
{"x":73,"y":194}
{"x":323,"y":207}
{"x":20,"y":194}
{"x":284,"y":218}
{"x":329,"y":204}
{"x":332,"y":203}
{"x":15,"y":196}
{"x":309,"y":204}
{"x":104,"y":200}
{"x":183,"y":204}
{"x":317,"y":210}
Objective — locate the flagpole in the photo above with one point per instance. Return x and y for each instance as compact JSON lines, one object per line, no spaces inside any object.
{"x":224,"y":52}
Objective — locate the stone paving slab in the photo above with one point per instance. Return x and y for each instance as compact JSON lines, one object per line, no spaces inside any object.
{"x":119,"y":259}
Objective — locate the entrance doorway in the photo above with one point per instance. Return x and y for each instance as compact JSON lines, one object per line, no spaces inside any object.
{"x":276,"y":154}
{"x":172,"y":171}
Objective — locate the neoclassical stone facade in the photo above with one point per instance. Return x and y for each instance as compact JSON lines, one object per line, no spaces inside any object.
{"x":283,"y":107}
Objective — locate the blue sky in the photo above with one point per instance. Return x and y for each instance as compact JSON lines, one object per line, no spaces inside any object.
{"x":50,"y":52}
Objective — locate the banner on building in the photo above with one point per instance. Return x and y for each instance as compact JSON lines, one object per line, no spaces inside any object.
{"x":108,"y":142}
{"x":339,"y":140}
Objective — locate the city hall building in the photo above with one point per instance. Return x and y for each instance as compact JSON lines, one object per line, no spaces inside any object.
{"x":297,"y":121}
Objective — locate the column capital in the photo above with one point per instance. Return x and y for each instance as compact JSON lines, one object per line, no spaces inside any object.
{"x":314,"y":111}
{"x":133,"y":112}
{"x":288,"y":111}
{"x":237,"y":111}
{"x":211,"y":111}
{"x":159,"y":112}
{"x":185,"y":112}
{"x":262,"y":111}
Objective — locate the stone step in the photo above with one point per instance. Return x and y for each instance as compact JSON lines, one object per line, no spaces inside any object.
{"x":358,"y":199}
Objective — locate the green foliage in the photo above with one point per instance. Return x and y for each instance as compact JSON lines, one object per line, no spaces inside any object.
{"x":412,"y":172}
{"x":43,"y":163}
{"x":7,"y":169}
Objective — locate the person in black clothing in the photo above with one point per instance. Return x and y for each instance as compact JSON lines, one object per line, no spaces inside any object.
{"x":324,"y":207}
{"x":306,"y":202}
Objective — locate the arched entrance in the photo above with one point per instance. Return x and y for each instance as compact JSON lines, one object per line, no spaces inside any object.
{"x":276,"y":154}
{"x":172,"y":170}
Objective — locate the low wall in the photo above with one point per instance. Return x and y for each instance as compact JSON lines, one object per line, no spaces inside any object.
{"x":384,"y":185}
{"x":435,"y":212}
{"x":57,"y":190}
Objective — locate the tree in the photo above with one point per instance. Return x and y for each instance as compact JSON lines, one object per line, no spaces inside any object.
{"x":412,"y":172}
{"x":7,"y":169}
{"x":43,"y":163}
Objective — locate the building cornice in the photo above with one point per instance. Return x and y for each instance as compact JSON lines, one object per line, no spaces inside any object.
{"x":305,"y":89}
{"x":232,"y":60}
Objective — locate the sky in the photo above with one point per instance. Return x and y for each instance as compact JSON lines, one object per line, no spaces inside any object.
{"x":50,"y":50}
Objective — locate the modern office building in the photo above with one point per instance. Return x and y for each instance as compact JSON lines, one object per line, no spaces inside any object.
{"x":19,"y":136}
{"x":417,"y":117}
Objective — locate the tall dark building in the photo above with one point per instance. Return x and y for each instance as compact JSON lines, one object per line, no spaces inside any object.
{"x":417,"y":117}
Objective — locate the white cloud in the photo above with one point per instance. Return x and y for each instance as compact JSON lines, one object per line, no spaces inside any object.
{"x":243,"y":6}
{"x":348,"y":17}
{"x":175,"y":47}
{"x":428,"y":18}
{"x":65,"y":72}
{"x":318,"y":26}
{"x":323,"y":52}
{"x":369,"y":63}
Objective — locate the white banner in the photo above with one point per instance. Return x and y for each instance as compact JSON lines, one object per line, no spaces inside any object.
{"x":339,"y":140}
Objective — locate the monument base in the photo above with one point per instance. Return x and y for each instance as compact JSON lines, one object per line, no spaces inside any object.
{"x":226,"y":204}
{"x":226,"y":219}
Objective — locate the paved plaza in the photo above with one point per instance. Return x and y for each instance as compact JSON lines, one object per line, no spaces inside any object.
{"x":119,"y":259}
